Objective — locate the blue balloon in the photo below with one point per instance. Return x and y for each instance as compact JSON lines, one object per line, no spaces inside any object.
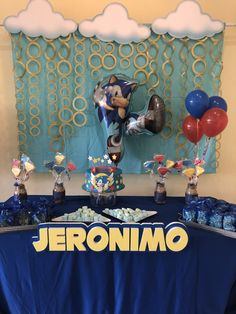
{"x":219,"y":102}
{"x":197,"y":103}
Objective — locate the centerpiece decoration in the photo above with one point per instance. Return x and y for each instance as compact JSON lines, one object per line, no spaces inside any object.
{"x":103,"y":179}
{"x":60,"y":173}
{"x":192,"y":170}
{"x":20,"y":211}
{"x":207,"y":116}
{"x":159,"y":169}
{"x":21,"y":169}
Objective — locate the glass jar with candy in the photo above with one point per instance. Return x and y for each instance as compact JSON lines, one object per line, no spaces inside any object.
{"x":158,"y":169}
{"x":21,"y":170}
{"x":60,"y":172}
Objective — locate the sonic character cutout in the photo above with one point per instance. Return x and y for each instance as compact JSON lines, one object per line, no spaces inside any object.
{"x":112,"y":100}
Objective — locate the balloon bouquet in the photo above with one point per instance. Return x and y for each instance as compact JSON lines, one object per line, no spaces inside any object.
{"x":112,"y":101}
{"x":208,"y":116}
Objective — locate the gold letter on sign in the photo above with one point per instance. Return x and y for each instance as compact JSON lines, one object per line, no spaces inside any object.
{"x":152,"y":240}
{"x":101,"y":243}
{"x":117,"y":239}
{"x":57,"y":239}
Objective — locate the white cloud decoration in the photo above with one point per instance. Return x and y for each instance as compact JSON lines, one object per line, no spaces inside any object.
{"x":188,"y":21}
{"x":39,"y":19}
{"x":114,"y":24}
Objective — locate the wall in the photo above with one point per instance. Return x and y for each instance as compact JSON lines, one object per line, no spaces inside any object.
{"x":221,"y":185}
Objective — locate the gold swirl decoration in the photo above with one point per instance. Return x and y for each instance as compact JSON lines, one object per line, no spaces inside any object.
{"x":181,"y":141}
{"x":167,"y":72}
{"x":109,"y":61}
{"x":152,"y":54}
{"x":19,"y":73}
{"x":216,"y":70}
{"x":33,"y":70}
{"x":141,"y":62}
{"x":199,"y":65}
{"x":125,"y":53}
{"x":50,"y":55}
{"x":95,"y":59}
{"x":79,"y":103}
{"x":65,"y":70}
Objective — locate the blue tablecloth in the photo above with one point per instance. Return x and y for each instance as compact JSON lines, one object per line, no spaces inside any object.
{"x":199,"y":280}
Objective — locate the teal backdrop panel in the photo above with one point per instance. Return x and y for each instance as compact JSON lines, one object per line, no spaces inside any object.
{"x":55,"y":79}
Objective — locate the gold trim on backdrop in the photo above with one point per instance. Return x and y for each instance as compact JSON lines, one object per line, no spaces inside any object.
{"x":199,"y":59}
{"x":108,"y":67}
{"x":84,"y":121}
{"x":52,"y":98}
{"x":130,"y":54}
{"x":154,"y":78}
{"x":20,"y":87}
{"x":181,"y":140}
{"x":123,"y":61}
{"x":33,"y":70}
{"x":65,"y":71}
{"x":108,"y":46}
{"x":141,"y":55}
{"x":79,"y":79}
{"x":66,"y":134}
{"x":216,"y":71}
{"x":168,"y":52}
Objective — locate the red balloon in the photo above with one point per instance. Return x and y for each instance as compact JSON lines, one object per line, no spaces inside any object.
{"x":192,"y":129}
{"x":214,"y":121}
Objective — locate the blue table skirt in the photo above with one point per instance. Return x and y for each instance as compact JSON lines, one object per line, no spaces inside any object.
{"x":199,"y":280}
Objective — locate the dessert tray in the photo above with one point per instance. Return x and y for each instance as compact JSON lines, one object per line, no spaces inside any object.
{"x":129,"y":214}
{"x":83,"y":214}
{"x":196,"y":225}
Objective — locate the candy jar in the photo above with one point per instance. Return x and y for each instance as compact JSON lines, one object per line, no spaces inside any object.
{"x":21,"y":170}
{"x":102,"y":199}
{"x":160,"y":193}
{"x":20,"y":193}
{"x":159,"y":169}
{"x":59,"y":193}
{"x":192,"y":174}
{"x":60,"y":172}
{"x":191,"y":193}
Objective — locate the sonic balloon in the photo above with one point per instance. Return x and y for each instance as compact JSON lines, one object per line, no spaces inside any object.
{"x":112,"y":98}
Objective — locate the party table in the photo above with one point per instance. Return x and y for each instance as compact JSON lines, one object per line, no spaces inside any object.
{"x":201,"y":279}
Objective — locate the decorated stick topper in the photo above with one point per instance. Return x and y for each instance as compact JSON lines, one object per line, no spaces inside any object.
{"x":22,"y":168}
{"x":191,"y":169}
{"x":112,"y":99}
{"x":58,"y":170}
{"x":162,"y":167}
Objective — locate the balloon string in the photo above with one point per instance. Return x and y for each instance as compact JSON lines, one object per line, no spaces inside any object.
{"x":197,"y":146}
{"x":208,"y":139}
{"x":195,"y":151}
